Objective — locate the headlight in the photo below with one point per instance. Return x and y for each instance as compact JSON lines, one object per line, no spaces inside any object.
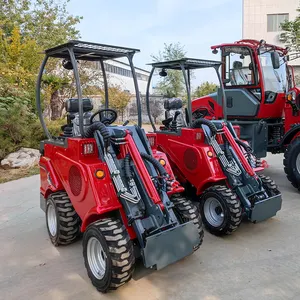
{"x":291,"y":96}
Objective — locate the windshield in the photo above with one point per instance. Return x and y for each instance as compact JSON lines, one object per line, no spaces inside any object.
{"x":275,"y":80}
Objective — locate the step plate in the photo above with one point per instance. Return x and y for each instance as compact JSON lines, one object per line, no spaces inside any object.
{"x":266,"y":209}
{"x":170,"y":246}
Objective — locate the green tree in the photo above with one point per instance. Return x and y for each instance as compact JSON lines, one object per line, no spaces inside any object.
{"x":27,"y":28}
{"x":18,"y":64}
{"x":205,"y":88}
{"x":45,"y":21}
{"x":118,"y":99}
{"x":173,"y":84}
{"x":291,"y":33}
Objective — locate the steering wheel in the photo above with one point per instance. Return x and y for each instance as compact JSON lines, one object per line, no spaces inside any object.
{"x":106,"y":116}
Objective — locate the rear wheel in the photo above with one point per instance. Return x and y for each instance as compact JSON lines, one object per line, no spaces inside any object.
{"x":108,"y":254}
{"x":187,"y":211}
{"x":221,"y":210}
{"x":63,"y":223}
{"x":291,"y":162}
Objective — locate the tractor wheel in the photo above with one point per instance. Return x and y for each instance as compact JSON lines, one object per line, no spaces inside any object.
{"x":63,"y":223}
{"x":108,"y":254}
{"x":221,"y":210}
{"x":186,"y":211}
{"x":269,"y":185}
{"x":291,"y":162}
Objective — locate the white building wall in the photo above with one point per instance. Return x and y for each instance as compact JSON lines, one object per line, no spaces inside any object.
{"x":255,"y":24}
{"x":124,"y":81}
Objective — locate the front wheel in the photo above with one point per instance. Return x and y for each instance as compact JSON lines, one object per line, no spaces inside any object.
{"x":186,"y":211}
{"x":221,"y":210}
{"x":108,"y":254}
{"x":291,"y":162}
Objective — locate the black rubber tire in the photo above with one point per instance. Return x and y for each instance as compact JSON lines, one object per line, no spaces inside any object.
{"x":289,"y":162}
{"x":269,"y":185}
{"x":68,"y":222}
{"x":231,"y":207}
{"x":187,"y":211}
{"x":118,"y":247}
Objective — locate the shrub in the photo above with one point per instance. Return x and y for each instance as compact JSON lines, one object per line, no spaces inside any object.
{"x":19,"y":127}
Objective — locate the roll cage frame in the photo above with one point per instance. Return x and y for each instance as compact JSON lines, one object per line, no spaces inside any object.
{"x":186,"y":65}
{"x":75,"y":51}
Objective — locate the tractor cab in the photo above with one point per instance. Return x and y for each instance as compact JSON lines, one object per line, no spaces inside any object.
{"x":262,"y":99}
{"x":255,"y":78}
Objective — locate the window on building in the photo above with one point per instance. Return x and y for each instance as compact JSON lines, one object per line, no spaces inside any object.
{"x":275,"y":20}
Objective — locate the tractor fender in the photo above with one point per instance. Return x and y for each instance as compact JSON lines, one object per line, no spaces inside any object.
{"x":290,"y":135}
{"x":93,"y":215}
{"x":50,"y":182}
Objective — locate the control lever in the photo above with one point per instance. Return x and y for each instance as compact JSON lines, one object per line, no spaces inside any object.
{"x":125,"y":123}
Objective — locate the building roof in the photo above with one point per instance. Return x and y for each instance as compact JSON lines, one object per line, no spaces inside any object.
{"x":123,"y":63}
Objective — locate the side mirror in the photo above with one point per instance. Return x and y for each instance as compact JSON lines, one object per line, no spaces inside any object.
{"x":275,"y":60}
{"x":163,"y":73}
{"x":67,"y":64}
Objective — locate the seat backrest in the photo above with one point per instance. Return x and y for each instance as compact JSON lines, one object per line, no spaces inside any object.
{"x":237,"y":75}
{"x":172,"y":106}
{"x":72,"y":105}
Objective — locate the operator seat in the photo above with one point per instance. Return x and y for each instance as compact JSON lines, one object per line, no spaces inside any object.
{"x":173,"y":107}
{"x":72,"y":108}
{"x":237,"y":75}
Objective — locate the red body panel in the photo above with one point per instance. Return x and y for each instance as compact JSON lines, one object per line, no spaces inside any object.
{"x":96,"y":196}
{"x":187,"y":154}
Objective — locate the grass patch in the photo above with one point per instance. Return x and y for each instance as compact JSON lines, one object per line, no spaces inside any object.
{"x":14,"y":174}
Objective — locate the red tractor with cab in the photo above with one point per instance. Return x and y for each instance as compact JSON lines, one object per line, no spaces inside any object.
{"x":102,"y":180}
{"x":209,"y":159}
{"x":261,"y":98}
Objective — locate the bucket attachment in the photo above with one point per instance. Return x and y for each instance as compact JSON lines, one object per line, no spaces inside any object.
{"x":266,"y":208}
{"x":169,"y":246}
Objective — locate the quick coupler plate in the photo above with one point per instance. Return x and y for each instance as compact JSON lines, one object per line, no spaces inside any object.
{"x":171,"y":245}
{"x":266,"y":208}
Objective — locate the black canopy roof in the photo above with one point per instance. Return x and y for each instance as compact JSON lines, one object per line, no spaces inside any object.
{"x":90,"y":51}
{"x":187,"y":63}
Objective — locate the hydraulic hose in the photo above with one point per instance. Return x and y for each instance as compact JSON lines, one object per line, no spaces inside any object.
{"x":102,"y":129}
{"x":127,"y":171}
{"x":227,"y":151}
{"x":198,"y":122}
{"x":161,"y":170}
{"x":244,"y":145}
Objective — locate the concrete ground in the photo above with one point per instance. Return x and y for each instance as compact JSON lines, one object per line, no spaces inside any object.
{"x":257,"y":262}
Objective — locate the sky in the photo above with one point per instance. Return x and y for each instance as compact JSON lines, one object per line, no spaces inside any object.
{"x":147,"y":25}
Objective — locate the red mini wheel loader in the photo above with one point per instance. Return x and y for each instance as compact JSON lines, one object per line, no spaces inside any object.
{"x":102,"y":180}
{"x":262,"y":100}
{"x":210,"y":161}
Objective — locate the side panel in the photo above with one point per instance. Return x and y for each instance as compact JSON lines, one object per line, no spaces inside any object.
{"x":76,"y":173}
{"x":256,"y":134}
{"x":187,"y":153}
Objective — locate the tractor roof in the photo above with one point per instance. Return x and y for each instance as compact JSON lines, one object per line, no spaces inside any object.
{"x":89,"y":51}
{"x":187,"y":63}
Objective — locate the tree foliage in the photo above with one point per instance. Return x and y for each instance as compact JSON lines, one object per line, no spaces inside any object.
{"x":118,"y":99}
{"x":173,"y":84}
{"x":26,"y":28}
{"x":205,"y":88}
{"x":291,"y":33}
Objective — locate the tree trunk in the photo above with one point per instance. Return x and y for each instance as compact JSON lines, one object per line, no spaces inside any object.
{"x":55,"y":106}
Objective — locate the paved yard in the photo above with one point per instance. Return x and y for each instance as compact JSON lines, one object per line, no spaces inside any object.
{"x":259,"y":261}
